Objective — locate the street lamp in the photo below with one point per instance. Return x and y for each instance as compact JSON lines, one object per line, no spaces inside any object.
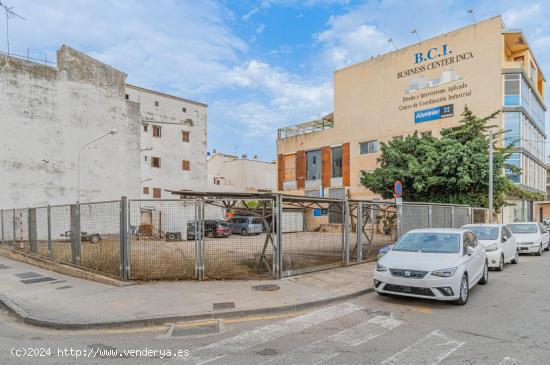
{"x":111,"y":133}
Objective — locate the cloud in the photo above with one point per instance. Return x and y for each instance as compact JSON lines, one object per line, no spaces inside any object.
{"x":519,"y":16}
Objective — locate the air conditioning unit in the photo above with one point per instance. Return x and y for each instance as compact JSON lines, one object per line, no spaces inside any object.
{"x":173,"y":236}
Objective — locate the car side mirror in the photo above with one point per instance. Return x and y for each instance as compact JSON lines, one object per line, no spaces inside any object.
{"x":504,"y":238}
{"x":470,"y":250}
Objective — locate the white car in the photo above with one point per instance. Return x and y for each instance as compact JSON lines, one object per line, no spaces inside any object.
{"x":499,"y":242}
{"x":441,"y":264}
{"x":531,"y":237}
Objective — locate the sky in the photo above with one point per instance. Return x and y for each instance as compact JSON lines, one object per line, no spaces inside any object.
{"x":259,"y":65}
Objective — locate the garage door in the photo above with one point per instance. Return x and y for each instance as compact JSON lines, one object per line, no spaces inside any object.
{"x":293,"y":221}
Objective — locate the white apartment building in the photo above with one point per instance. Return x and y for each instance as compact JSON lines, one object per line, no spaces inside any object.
{"x":231,"y":173}
{"x":49,"y":113}
{"x":173,"y":142}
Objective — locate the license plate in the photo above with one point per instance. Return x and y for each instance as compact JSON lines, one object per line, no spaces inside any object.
{"x":523,"y":248}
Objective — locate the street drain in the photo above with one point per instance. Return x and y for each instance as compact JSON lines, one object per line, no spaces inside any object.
{"x":266,"y":287}
{"x":195,"y":328}
{"x":28,"y":275}
{"x":223,"y":305}
{"x":379,"y":313}
{"x":37,"y":280}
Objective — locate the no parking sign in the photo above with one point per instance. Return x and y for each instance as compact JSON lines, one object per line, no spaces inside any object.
{"x":397,"y":189}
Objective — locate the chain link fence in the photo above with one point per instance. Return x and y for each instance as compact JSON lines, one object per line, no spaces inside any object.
{"x":223,"y":236}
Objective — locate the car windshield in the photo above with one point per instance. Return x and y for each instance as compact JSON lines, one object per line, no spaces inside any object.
{"x":484,"y":233}
{"x":224,"y":224}
{"x":524,"y":228}
{"x":429,"y":242}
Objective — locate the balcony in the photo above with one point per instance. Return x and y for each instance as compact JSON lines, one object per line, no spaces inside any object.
{"x":313,"y":126}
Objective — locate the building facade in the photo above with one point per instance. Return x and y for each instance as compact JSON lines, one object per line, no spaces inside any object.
{"x":51,"y":113}
{"x":422,"y":88}
{"x":233,"y":174}
{"x":173,"y":142}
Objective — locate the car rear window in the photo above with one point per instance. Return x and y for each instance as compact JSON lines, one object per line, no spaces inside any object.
{"x":429,"y":242}
{"x":524,"y":228}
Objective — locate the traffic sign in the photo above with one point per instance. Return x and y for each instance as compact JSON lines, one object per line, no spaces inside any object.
{"x":397,"y":189}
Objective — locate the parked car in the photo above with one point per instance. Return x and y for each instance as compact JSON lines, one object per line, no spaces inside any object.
{"x":531,"y":237}
{"x":499,"y":242}
{"x":212,"y":228}
{"x":440,"y":264}
{"x":245,"y":225}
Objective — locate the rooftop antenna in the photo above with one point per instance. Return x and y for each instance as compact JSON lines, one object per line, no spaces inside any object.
{"x":9,"y":15}
{"x":392,"y":42}
{"x":417,"y":36}
{"x":471,"y":12}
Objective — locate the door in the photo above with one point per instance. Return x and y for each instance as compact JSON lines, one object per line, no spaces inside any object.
{"x":476,"y":261}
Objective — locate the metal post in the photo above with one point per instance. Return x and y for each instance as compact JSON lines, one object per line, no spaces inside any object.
{"x":49,"y":232}
{"x":199,"y":251}
{"x":124,"y":238}
{"x":279,"y":235}
{"x":453,"y":217}
{"x":33,"y":230}
{"x":399,"y":217}
{"x":345,"y":228}
{"x":75,"y":231}
{"x":430,"y":216}
{"x":13,"y":227}
{"x":2,"y":224}
{"x":359,"y":232}
{"x":490,"y":176}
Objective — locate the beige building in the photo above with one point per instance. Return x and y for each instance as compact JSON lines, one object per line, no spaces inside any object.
{"x":421,"y":88}
{"x":230,"y":173}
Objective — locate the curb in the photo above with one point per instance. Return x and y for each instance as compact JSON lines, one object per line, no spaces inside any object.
{"x":21,"y":314}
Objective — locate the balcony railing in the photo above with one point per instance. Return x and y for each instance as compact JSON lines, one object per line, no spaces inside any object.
{"x":307,"y":127}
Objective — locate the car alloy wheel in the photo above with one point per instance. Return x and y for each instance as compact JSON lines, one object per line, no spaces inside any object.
{"x":485,"y":278}
{"x":516,"y":259}
{"x":539,"y":252}
{"x":501,"y":263}
{"x":464,"y":291}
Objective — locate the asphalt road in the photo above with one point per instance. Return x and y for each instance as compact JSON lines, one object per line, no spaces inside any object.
{"x":505,"y":322}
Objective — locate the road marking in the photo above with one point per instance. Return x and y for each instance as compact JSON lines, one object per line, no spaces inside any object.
{"x":271,"y":332}
{"x":324,"y":350}
{"x":432,"y":349}
{"x":509,"y":361}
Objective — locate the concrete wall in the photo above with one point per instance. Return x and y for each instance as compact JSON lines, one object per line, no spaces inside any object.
{"x":48,"y":114}
{"x":240,"y":174}
{"x":173,"y":115}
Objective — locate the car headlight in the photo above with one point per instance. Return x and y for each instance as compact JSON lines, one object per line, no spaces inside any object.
{"x":445,"y":273}
{"x":381,"y":267}
{"x":491,"y":247}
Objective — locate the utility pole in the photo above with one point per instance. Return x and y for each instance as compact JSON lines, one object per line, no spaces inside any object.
{"x":490,"y":176}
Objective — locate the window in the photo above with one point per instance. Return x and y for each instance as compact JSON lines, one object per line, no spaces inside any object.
{"x":145,"y":127}
{"x":156,"y":103}
{"x":155,"y":162}
{"x":156,"y":131}
{"x":512,"y":129}
{"x":513,"y":160}
{"x":398,"y":137}
{"x":127,"y":97}
{"x":145,"y":158}
{"x":184,"y":110}
{"x":429,"y":243}
{"x":368,"y":147}
{"x":156,"y":193}
{"x":426,"y":134}
{"x":290,"y":167}
{"x":185,"y":165}
{"x":511,"y":89}
{"x":504,"y":234}
{"x":337,"y":161}
{"x":145,"y":190}
{"x":184,"y":136}
{"x":313,"y":167}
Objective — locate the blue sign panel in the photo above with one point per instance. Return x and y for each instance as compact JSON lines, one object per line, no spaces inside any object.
{"x":436,"y":113}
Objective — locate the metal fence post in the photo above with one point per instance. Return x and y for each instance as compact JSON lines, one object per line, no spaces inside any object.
{"x":453,"y":216}
{"x":279,"y":235}
{"x":33,"y":230}
{"x":75,"y":230}
{"x":13,"y":227}
{"x":49,"y":232}
{"x":359,"y":232}
{"x":2,"y":225}
{"x":345,"y":229}
{"x":124,"y":238}
{"x":199,"y":243}
{"x":430,"y":216}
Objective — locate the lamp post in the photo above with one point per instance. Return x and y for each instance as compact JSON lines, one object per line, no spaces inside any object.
{"x":111,"y":133}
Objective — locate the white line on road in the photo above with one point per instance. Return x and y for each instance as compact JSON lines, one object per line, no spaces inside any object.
{"x":261,"y":335}
{"x":432,"y":349}
{"x":324,"y":350}
{"x":509,"y":361}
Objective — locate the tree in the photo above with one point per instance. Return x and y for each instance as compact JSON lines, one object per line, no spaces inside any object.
{"x":450,"y":169}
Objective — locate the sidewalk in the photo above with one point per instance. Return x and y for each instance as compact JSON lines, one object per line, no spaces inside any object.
{"x":68,"y":302}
